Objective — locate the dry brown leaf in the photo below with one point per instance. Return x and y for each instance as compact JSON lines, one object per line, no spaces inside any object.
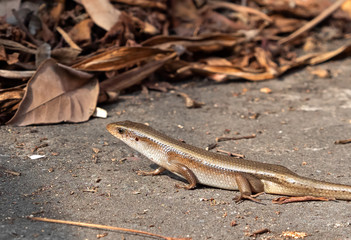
{"x":305,"y":9}
{"x":264,"y":58}
{"x":230,"y":72}
{"x":310,"y":44}
{"x":12,"y":58}
{"x":323,"y":15}
{"x":81,"y":31}
{"x":124,"y":30}
{"x":110,"y":88}
{"x":144,"y":3}
{"x":210,"y":42}
{"x":11,"y":94}
{"x":103,"y":13}
{"x":233,"y":72}
{"x":322,"y":57}
{"x":57,"y":93}
{"x":159,"y":86}
{"x":9,"y":101}
{"x":56,"y":11}
{"x":46,"y":33}
{"x":240,"y":8}
{"x":65,"y":55}
{"x":118,"y":58}
{"x":185,"y":17}
{"x":3,"y":56}
{"x":216,"y":22}
{"x":217,"y":61}
{"x":9,"y":44}
{"x":282,"y":24}
{"x":346,"y":7}
{"x":206,"y":35}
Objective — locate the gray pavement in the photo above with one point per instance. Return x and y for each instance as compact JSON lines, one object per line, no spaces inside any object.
{"x":84,"y":176}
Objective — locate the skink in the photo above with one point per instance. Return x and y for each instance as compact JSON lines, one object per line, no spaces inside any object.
{"x":197,"y":165}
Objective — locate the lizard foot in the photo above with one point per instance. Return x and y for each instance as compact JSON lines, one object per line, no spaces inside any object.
{"x":242,"y":197}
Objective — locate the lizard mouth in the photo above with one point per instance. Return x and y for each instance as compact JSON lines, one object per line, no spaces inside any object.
{"x":113,"y":129}
{"x":110,"y":127}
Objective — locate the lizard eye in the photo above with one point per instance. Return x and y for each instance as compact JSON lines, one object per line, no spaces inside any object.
{"x":120,"y":130}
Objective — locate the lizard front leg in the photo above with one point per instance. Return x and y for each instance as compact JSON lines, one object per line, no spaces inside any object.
{"x":185,"y":172}
{"x":157,"y":171}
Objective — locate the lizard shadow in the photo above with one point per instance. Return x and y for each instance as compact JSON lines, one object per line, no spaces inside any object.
{"x":177,"y":178}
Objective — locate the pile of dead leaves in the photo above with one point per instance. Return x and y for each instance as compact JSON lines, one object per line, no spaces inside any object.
{"x":58,"y":59}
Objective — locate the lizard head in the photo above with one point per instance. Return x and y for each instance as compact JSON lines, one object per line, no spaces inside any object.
{"x":137,"y":136}
{"x":122,"y":130}
{"x":129,"y":132}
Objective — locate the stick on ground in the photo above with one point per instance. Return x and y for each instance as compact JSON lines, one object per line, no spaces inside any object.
{"x":105,"y":227}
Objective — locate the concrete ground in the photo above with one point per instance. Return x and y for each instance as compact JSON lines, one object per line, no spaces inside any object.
{"x":89,"y":176}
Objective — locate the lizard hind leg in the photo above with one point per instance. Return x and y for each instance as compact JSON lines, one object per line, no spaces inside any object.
{"x":185,"y":172}
{"x":248,"y":184}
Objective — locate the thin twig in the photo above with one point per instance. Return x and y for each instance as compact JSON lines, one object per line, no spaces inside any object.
{"x":260,"y":231}
{"x":343,"y":141}
{"x":211,"y":146}
{"x":222,"y":139}
{"x":40,"y":146}
{"x":237,"y":155}
{"x":105,"y":227}
{"x":68,"y":39}
{"x":10,"y":171}
{"x":16,"y":74}
{"x":240,"y":8}
{"x":323,"y":15}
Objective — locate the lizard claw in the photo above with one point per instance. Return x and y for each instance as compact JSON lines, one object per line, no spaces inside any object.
{"x":142,"y":173}
{"x":184,"y":186}
{"x":249,"y":197}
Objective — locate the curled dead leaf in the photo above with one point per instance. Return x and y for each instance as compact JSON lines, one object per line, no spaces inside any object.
{"x":103,"y":13}
{"x":189,"y":102}
{"x":57,"y":93}
{"x":81,"y":32}
{"x":9,"y":102}
{"x":211,"y":42}
{"x":110,"y":88}
{"x":118,"y":58}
